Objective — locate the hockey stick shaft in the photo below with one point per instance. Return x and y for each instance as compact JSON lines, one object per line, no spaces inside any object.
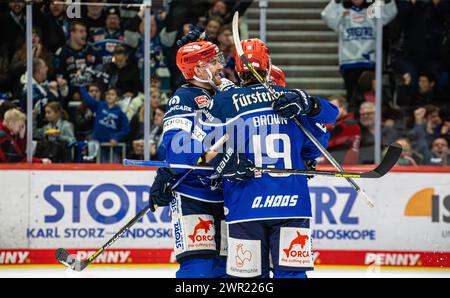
{"x":313,"y":139}
{"x":83,"y":264}
{"x":144,"y":211}
{"x":389,"y":160}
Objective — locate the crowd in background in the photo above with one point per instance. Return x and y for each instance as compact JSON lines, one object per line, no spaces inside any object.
{"x":88,"y":78}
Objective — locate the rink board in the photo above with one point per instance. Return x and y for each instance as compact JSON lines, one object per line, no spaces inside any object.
{"x":81,"y":206}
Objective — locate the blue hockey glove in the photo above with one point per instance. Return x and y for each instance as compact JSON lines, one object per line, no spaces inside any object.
{"x":294,"y":103}
{"x":232,"y":166}
{"x":194,"y":35}
{"x":161,"y":191}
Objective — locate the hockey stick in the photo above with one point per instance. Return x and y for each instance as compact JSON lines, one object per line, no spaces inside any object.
{"x":262,"y":81}
{"x":389,"y":160}
{"x":68,"y":260}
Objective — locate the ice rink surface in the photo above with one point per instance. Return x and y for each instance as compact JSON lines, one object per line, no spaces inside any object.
{"x":169,"y":272}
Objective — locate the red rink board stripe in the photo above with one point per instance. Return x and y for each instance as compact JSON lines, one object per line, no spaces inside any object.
{"x":165,"y":256}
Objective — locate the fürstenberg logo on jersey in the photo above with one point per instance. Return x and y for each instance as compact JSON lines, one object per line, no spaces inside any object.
{"x":86,"y":211}
{"x":333,"y":206}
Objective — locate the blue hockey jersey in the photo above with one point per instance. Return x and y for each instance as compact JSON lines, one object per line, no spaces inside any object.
{"x":184,"y":144}
{"x":269,"y":141}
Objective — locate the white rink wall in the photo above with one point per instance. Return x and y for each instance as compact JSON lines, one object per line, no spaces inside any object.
{"x":81,"y":207}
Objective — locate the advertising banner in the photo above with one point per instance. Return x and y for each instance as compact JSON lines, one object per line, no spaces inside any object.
{"x":41,"y":210}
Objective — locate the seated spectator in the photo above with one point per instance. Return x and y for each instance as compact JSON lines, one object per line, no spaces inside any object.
{"x":213,"y":25}
{"x":157,"y":98}
{"x":367,"y":126}
{"x":43,"y":92}
{"x":440,"y":153}
{"x":136,"y":136}
{"x":426,"y":93}
{"x":84,"y":117}
{"x":111,"y":124}
{"x":19,"y":62}
{"x":219,"y":9}
{"x":106,"y":39}
{"x":226,"y":46}
{"x":123,"y":73}
{"x":13,"y":140}
{"x":427,"y":126}
{"x":56,"y":137}
{"x":4,"y":107}
{"x":406,"y":158}
{"x":345,"y":135}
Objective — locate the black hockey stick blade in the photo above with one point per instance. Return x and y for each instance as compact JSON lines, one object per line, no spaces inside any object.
{"x":68,"y":260}
{"x":389,"y":161}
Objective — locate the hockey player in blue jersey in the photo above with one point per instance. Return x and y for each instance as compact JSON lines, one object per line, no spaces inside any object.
{"x":197,"y":210}
{"x":268,"y":216}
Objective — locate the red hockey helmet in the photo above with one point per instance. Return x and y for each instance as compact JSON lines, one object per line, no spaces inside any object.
{"x":277,"y":76}
{"x":189,"y":56}
{"x":256,"y":53}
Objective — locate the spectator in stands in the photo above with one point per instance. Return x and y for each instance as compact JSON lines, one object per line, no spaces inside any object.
{"x":440,"y":153}
{"x":18,"y":64}
{"x":13,"y":140}
{"x":406,"y":158}
{"x":111,"y":124}
{"x":43,"y":92}
{"x":57,"y":137}
{"x":357,"y":36}
{"x":123,"y":72}
{"x":219,"y":9}
{"x":426,"y":92}
{"x":226,"y":46}
{"x":427,"y":126}
{"x":367,"y":126}
{"x":136,"y":136}
{"x":213,"y":25}
{"x":134,"y":37}
{"x":75,"y":60}
{"x":55,"y":25}
{"x":107,"y":38}
{"x":94,"y":16}
{"x":4,"y":107}
{"x":14,"y":24}
{"x":422,"y":24}
{"x":84,"y":117}
{"x":345,"y":134}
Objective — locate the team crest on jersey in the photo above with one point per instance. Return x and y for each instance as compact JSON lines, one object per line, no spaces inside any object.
{"x":358,"y":18}
{"x":202,"y":101}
